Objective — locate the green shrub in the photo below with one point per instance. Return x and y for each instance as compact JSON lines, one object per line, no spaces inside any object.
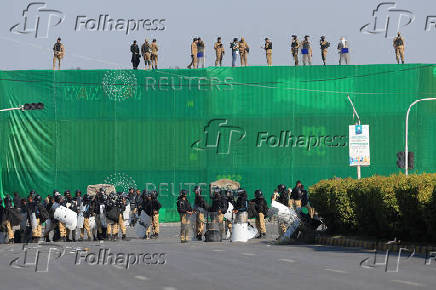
{"x":379,"y":206}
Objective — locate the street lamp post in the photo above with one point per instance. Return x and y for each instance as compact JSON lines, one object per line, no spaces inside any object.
{"x":406,"y":148}
{"x":357,"y":123}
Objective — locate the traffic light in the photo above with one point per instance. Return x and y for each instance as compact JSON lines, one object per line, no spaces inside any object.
{"x":33,"y":106}
{"x":401,"y":162}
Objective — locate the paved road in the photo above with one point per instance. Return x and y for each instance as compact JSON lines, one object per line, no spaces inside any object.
{"x":258,"y":264}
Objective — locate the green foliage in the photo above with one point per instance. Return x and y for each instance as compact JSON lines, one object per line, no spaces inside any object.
{"x":379,"y":206}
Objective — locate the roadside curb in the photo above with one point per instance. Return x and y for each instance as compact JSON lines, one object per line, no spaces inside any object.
{"x":340,"y":241}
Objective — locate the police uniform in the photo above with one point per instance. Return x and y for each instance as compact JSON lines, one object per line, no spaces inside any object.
{"x":283,"y":198}
{"x":295,"y":46}
{"x":324,"y":49}
{"x":261,"y":211}
{"x":399,"y":48}
{"x":243,"y":51}
{"x":184,"y":209}
{"x":88,"y":212}
{"x":268,"y":51}
{"x":152,"y":209}
{"x":219,"y":50}
{"x":200,"y":207}
{"x":146,"y":54}
{"x":58,"y":54}
{"x":154,"y":55}
{"x":7,"y":218}
{"x":297,"y":194}
{"x":194,"y":52}
{"x":306,"y":51}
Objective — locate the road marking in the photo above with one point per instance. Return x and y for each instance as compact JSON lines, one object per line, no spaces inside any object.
{"x":287,"y":260}
{"x":248,"y":254}
{"x":409,"y":283}
{"x":216,"y":250}
{"x":141,"y":278}
{"x":336,"y":271}
{"x":169,"y":288}
{"x":118,"y":267}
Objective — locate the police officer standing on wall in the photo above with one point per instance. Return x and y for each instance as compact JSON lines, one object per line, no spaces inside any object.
{"x":243,"y":51}
{"x":134,"y":49}
{"x":324,"y":48}
{"x":295,"y":46}
{"x":184,"y":209}
{"x":146,"y":54}
{"x":399,"y":48}
{"x":306,"y":51}
{"x":268,"y":50}
{"x":58,"y":53}
{"x":219,"y":49}
{"x":194,"y":52}
{"x":154,"y":54}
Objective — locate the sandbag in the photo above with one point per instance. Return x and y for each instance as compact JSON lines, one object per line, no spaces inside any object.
{"x":252,"y":232}
{"x":240,"y":232}
{"x":126,"y":213}
{"x":66,"y":216}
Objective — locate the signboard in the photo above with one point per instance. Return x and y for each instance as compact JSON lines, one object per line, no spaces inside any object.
{"x":359,"y":145}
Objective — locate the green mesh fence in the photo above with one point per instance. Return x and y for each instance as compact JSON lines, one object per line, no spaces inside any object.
{"x":261,"y":126}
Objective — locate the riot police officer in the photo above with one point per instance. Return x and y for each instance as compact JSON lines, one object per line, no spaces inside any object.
{"x":184,"y":209}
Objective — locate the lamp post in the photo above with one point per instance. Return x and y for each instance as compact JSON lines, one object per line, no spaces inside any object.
{"x":357,"y":123}
{"x":406,"y":148}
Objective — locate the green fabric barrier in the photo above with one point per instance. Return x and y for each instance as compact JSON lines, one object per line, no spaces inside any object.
{"x":134,"y":128}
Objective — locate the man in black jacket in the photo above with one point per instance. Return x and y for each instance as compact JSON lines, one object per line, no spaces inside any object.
{"x":152,"y":208}
{"x":297,"y":194}
{"x":185,"y":210}
{"x":88,"y":212}
{"x":200,"y":206}
{"x":261,"y":210}
{"x":136,"y":56}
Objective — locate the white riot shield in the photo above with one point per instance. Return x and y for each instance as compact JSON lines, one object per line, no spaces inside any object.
{"x":92,"y":223}
{"x":102,"y":216}
{"x":229,"y":213}
{"x":66,"y":216}
{"x":33,"y":221}
{"x":80,"y":220}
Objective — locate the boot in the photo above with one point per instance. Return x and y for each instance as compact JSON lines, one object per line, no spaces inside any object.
{"x":11,"y":241}
{"x":124,"y":237}
{"x":80,"y":239}
{"x":263,"y":235}
{"x":63,"y":239}
{"x":90,"y":239}
{"x":147,"y":236}
{"x":199,"y":237}
{"x":156,"y":236}
{"x":115,"y":237}
{"x":47,"y":239}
